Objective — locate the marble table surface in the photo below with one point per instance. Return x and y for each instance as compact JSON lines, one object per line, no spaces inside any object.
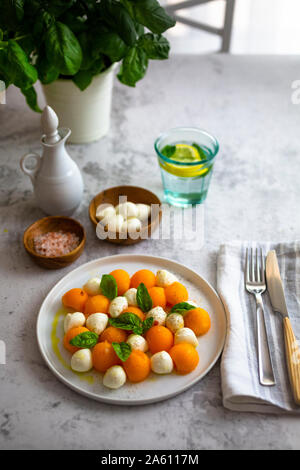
{"x":246,"y":102}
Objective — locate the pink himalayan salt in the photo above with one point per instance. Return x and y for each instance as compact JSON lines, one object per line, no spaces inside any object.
{"x":54,"y":244}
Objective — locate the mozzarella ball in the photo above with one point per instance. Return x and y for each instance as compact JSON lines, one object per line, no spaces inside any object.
{"x":81,"y":361}
{"x":127,"y":209}
{"x":164,"y":278}
{"x":105,"y":211}
{"x":174,"y":322}
{"x":143,"y":211}
{"x":114,"y":377}
{"x":137,"y":342}
{"x":97,"y":322}
{"x":92,"y":287}
{"x":73,"y":319}
{"x":114,"y":223}
{"x":161,"y":363}
{"x":117,"y":305}
{"x":185,"y":335}
{"x":131,"y":225}
{"x":158,"y":314}
{"x":130,"y":295}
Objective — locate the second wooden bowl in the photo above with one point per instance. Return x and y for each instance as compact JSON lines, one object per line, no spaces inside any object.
{"x":54,"y":224}
{"x":134,"y":194}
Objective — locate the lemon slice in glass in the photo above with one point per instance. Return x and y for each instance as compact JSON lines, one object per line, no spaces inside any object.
{"x":185,"y":153}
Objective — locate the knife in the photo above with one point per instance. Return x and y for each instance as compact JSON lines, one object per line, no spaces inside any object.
{"x":276,"y":293}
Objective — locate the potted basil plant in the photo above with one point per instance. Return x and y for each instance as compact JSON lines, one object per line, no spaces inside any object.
{"x":72,"y":47}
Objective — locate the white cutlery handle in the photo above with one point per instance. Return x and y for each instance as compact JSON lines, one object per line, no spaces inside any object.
{"x":292,"y":358}
{"x":265,"y":368}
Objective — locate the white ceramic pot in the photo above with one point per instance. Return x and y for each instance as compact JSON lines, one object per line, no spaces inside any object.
{"x":86,"y":113}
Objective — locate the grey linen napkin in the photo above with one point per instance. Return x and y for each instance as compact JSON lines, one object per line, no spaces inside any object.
{"x":239,"y":369}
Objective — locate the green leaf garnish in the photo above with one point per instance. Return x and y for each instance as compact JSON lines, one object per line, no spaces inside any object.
{"x":168,"y":150}
{"x":201,"y":152}
{"x":122,"y":350}
{"x":147,"y":324}
{"x":109,"y":286}
{"x":87,"y":339}
{"x":182,"y":308}
{"x":128,"y":321}
{"x":143,"y":298}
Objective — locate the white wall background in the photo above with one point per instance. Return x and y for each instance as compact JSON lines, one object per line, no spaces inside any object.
{"x":260,"y":27}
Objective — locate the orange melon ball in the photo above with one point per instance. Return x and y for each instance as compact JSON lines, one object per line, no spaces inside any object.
{"x":122,"y":279}
{"x":137,"y":366}
{"x":197,"y":320}
{"x":104,"y":356}
{"x":75,"y":298}
{"x":158,"y":297}
{"x":159,"y":338}
{"x":185,"y":357}
{"x":96,"y":304}
{"x":137,"y":311}
{"x":70,"y":335}
{"x":143,"y":276}
{"x":113,"y":335}
{"x":176,"y":293}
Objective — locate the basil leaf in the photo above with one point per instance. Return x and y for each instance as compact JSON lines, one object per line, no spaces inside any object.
{"x":119,"y":20}
{"x":110,"y":44}
{"x":143,"y":298}
{"x":128,"y":321}
{"x":156,"y":46}
{"x":63,"y":49}
{"x":82,"y":79}
{"x":122,"y":350}
{"x":147,"y":324}
{"x":182,"y":308}
{"x":133,"y":67}
{"x":150,"y":14}
{"x":22,"y":73}
{"x":31,"y":98}
{"x":47,"y":71}
{"x":87,"y":339}
{"x":109,"y":286}
{"x":168,"y":150}
{"x":200,"y":151}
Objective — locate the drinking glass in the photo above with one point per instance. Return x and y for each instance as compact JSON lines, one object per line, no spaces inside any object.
{"x":185,"y":183}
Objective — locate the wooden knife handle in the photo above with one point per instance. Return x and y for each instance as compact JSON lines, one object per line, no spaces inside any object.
{"x":292,"y":358}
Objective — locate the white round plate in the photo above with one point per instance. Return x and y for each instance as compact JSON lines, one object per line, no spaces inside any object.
{"x":155,"y":387}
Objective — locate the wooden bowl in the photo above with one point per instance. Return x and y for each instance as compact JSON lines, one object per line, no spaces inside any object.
{"x":51,"y":224}
{"x":133,"y":194}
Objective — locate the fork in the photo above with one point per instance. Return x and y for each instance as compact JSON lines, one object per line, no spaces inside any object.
{"x":255,"y":283}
